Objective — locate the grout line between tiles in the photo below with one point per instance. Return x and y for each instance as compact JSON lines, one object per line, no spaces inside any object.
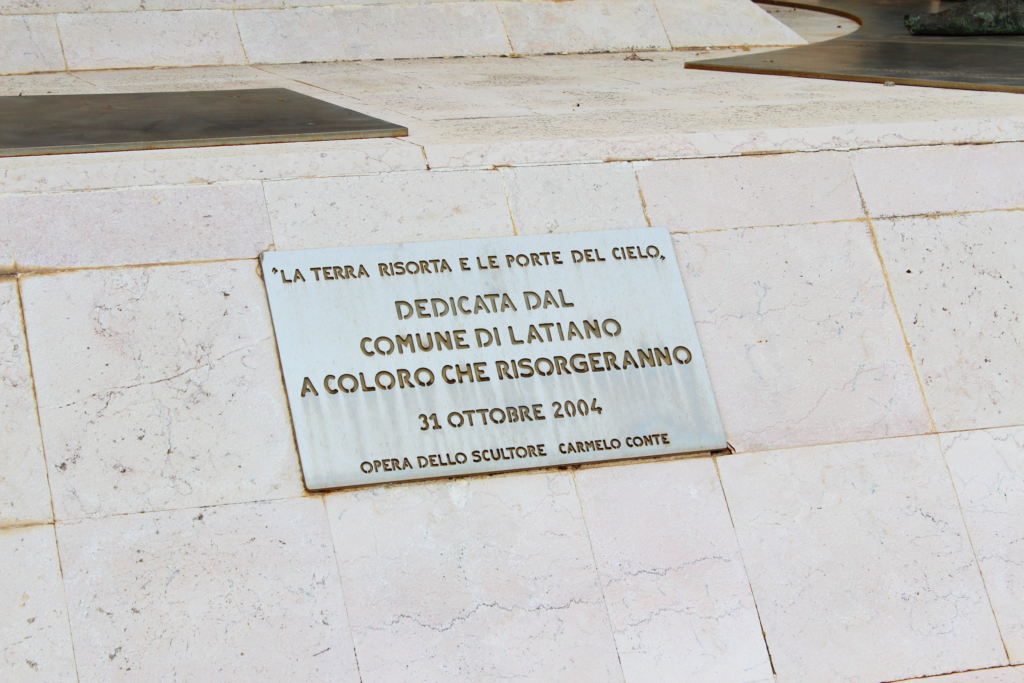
{"x":1009,"y":667}
{"x":661,"y":20}
{"x":46,"y":467}
{"x":35,"y":397}
{"x":341,"y":583}
{"x":60,"y":40}
{"x":241,"y":43}
{"x":511,"y":48}
{"x":643,"y":200}
{"x":746,"y":574}
{"x":508,"y":200}
{"x":974,"y":551}
{"x":597,"y":572}
{"x":892,"y":297}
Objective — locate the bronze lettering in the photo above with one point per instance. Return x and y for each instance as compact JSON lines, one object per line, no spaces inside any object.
{"x":442,"y":340}
{"x":675,"y":354}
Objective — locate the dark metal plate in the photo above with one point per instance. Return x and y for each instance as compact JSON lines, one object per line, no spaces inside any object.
{"x":63,"y":124}
{"x":882,"y":50}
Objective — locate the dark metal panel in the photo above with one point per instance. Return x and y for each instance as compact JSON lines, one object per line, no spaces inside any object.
{"x":62,"y":124}
{"x":882,"y":50}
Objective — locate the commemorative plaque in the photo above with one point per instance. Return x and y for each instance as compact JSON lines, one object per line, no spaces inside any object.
{"x":436,"y":359}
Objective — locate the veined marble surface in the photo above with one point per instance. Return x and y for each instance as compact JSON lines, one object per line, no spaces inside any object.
{"x":850,"y":253}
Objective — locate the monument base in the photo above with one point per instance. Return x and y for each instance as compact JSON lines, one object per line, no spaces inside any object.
{"x":850,"y":257}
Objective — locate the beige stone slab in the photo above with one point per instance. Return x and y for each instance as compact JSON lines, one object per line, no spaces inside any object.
{"x":860,"y":548}
{"x":714,"y":23}
{"x":941,"y":179}
{"x":323,"y":34}
{"x":125,"y":40}
{"x":801,"y":338}
{"x":24,"y":491}
{"x":215,"y":4}
{"x":547,"y":199}
{"x":988,"y":472}
{"x":45,"y":84}
{"x":57,"y":6}
{"x":431,"y":93}
{"x":29,"y":43}
{"x":582,"y":26}
{"x":159,"y":388}
{"x":35,"y":642}
{"x":599,"y":136}
{"x":711,"y":194}
{"x":814,"y":27}
{"x":956,"y":284}
{"x":6,"y":250}
{"x":481,"y":579}
{"x":399,"y":207}
{"x":1005,"y":674}
{"x":230,"y":593}
{"x":670,"y":566}
{"x":362,"y":79}
{"x":191,"y":78}
{"x":107,"y":170}
{"x":119,"y":227}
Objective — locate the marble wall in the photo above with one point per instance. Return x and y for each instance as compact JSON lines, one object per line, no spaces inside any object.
{"x":860,"y":312}
{"x":54,"y":35}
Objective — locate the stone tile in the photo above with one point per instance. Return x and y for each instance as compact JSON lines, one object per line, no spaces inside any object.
{"x":6,"y":248}
{"x":573,"y":197}
{"x":125,"y":40}
{"x":103,"y":170}
{"x":723,"y":23}
{"x":231,"y":593}
{"x":364,"y":80}
{"x":324,"y":34}
{"x":159,"y":388}
{"x":801,"y":339}
{"x":940,"y":179}
{"x":56,"y":6}
{"x":582,"y":26}
{"x":677,"y":593}
{"x":719,"y":131}
{"x":35,"y":642}
{"x":45,"y":84}
{"x":1006,"y":674}
{"x":956,"y":281}
{"x":119,"y":227}
{"x":24,"y":492}
{"x":428,"y":95}
{"x":814,"y":27}
{"x":185,"y":79}
{"x":170,"y":5}
{"x":860,"y":548}
{"x":400,"y":207}
{"x":988,"y":472}
{"x":29,"y":43}
{"x":460,"y":572}
{"x":711,"y":194}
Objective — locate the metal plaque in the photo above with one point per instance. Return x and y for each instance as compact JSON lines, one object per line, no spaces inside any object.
{"x":882,"y":50}
{"x":106,"y":122}
{"x":435,"y":359}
